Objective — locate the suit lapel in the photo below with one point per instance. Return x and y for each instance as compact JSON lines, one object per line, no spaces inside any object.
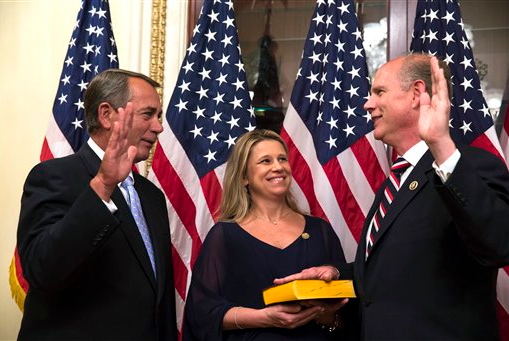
{"x":128,"y":226}
{"x":90,"y":160}
{"x":360,"y":257}
{"x":414,"y":183}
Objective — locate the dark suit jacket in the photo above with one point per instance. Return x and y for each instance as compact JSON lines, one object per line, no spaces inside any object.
{"x":89,"y":272}
{"x":432,"y":272}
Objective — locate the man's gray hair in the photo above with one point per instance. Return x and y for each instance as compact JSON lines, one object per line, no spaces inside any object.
{"x":416,"y":66}
{"x":110,"y":86}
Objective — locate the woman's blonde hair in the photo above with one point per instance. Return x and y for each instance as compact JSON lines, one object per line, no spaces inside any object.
{"x":236,"y":201}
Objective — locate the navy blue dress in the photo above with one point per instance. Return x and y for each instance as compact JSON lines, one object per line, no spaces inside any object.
{"x":234,"y":267}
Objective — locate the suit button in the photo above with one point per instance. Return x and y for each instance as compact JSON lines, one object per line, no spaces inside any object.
{"x":367,"y":303}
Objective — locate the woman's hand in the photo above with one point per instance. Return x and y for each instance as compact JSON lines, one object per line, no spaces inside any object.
{"x":286,"y":315}
{"x":292,"y":315}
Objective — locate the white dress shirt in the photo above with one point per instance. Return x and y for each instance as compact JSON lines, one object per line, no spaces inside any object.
{"x":100,"y":153}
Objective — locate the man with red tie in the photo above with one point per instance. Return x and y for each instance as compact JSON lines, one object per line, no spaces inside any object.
{"x":437,"y":233}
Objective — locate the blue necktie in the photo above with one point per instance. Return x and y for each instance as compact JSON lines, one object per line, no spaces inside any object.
{"x":134,"y":204}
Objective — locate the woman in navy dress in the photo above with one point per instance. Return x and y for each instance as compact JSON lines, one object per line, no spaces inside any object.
{"x":261,"y":235}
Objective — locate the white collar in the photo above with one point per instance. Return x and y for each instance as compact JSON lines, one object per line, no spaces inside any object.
{"x":415,"y":153}
{"x":97,"y":150}
{"x":100,"y":153}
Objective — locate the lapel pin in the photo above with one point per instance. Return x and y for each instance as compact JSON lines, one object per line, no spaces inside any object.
{"x":305,"y":235}
{"x":413,"y":185}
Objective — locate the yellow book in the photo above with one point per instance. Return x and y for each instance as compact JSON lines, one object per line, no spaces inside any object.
{"x":308,"y":289}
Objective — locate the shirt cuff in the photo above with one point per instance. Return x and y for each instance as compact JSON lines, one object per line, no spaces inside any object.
{"x":111,"y":206}
{"x":445,"y":169}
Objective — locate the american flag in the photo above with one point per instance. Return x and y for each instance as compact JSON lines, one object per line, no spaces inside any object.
{"x":504,"y":136}
{"x":337,"y":164}
{"x":209,"y":109}
{"x":438,"y":30}
{"x":503,"y":275}
{"x":91,"y":50}
{"x":503,"y":120}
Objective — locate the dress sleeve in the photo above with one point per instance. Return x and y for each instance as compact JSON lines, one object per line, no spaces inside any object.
{"x":205,"y":306}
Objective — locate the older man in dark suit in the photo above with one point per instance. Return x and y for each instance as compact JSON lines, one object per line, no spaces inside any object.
{"x":97,"y":255}
{"x":427,"y":261}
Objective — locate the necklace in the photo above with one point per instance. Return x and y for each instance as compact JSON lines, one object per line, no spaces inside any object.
{"x":273,"y":221}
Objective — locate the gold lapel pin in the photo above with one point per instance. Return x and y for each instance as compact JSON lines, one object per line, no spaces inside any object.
{"x":305,"y":235}
{"x":413,"y":185}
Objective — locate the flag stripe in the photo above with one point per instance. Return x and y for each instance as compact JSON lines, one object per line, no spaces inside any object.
{"x":180,"y":303}
{"x":503,"y":320}
{"x":364,"y":176}
{"x":182,"y":245}
{"x":365,"y":154}
{"x":19,"y":275}
{"x":55,"y":144}
{"x":503,"y":288}
{"x":180,"y":268}
{"x":302,"y":176}
{"x":348,"y":205}
{"x":503,"y":274}
{"x":504,"y":138}
{"x":503,"y":302}
{"x":180,"y":199}
{"x":314,"y":183}
{"x":173,"y":154}
{"x":317,"y":195}
{"x":45,"y":151}
{"x":489,"y":142}
{"x":213,"y":194}
{"x":506,"y":122}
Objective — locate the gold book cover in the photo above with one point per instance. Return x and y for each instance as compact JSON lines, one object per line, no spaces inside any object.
{"x":309,"y":289}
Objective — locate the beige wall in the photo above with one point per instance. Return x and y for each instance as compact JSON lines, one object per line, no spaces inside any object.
{"x":33,"y":43}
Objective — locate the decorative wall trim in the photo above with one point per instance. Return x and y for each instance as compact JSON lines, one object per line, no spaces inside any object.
{"x":157,"y":54}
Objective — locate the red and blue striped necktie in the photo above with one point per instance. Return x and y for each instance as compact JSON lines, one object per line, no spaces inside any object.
{"x":389,"y":192}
